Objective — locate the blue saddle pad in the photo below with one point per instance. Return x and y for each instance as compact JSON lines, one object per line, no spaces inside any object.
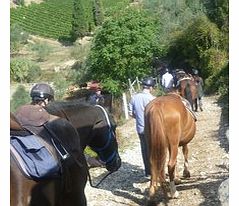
{"x":37,"y":160}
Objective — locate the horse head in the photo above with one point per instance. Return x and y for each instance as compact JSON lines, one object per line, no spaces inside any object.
{"x":95,"y":129}
{"x":105,"y":144}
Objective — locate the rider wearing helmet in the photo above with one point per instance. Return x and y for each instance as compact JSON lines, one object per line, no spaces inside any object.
{"x":195,"y":72}
{"x":137,"y":105}
{"x":167,"y":81}
{"x":33,"y":115}
{"x":148,"y":82}
{"x":42,"y":94}
{"x":199,"y":82}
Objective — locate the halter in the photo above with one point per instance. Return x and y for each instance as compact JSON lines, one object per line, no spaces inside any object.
{"x":100,"y":149}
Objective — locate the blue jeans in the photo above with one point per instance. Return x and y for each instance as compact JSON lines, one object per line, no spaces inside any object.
{"x":145,"y":153}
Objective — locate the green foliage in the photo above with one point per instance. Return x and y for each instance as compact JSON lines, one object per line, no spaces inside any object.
{"x":79,"y":20}
{"x":112,"y":7}
{"x":122,"y":49}
{"x":217,"y":11}
{"x":18,"y":37}
{"x":212,"y":60}
{"x":219,"y":82}
{"x":198,"y":46}
{"x":61,"y":82}
{"x":42,"y":50}
{"x":20,"y":2}
{"x":173,"y":16}
{"x":20,"y":97}
{"x":23,"y":70}
{"x":80,"y":51}
{"x":98,"y":12}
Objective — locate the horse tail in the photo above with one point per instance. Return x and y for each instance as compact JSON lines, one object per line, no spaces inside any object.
{"x":157,"y":142}
{"x":188,"y":93}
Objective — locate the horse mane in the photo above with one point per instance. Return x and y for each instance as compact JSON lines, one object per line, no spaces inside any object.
{"x":58,"y":106}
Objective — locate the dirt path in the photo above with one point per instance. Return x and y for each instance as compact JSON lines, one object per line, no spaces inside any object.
{"x":208,"y":159}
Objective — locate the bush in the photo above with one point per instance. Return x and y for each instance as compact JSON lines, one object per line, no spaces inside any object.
{"x":23,"y":70}
{"x":42,"y":50}
{"x":20,"y":97}
{"x":18,"y":37}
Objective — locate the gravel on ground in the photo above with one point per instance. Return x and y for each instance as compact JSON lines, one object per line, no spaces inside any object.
{"x":208,"y":164}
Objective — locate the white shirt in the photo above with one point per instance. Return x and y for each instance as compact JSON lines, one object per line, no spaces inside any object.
{"x":167,"y":80}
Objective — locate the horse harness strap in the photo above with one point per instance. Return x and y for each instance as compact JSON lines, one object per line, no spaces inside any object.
{"x":109,"y":173}
{"x":186,"y":104}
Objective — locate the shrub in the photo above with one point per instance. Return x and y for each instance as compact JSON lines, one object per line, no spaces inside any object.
{"x":20,"y":97}
{"x":23,"y":70}
{"x":42,"y":50}
{"x":18,"y":37}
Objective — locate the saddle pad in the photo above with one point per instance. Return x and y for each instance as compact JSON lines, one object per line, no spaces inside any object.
{"x":35,"y":159}
{"x":32,"y":115}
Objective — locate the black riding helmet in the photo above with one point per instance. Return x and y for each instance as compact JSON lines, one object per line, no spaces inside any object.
{"x":149,"y":81}
{"x":195,"y":71}
{"x":42,"y":91}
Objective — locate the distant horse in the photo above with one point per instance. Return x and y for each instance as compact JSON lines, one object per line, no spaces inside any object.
{"x":58,"y":191}
{"x":95,"y":128}
{"x":168,"y":125}
{"x":188,"y":89}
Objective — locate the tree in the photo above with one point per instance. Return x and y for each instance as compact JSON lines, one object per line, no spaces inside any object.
{"x":123,"y":48}
{"x":79,"y":22}
{"x":98,"y":12}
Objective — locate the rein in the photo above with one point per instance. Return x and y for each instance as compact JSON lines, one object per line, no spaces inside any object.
{"x":91,"y":182}
{"x":109,"y":173}
{"x":75,"y":159}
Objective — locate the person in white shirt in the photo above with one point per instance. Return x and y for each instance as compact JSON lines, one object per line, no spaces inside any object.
{"x":167,"y":81}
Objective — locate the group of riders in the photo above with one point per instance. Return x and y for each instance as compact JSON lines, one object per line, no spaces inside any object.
{"x":171,"y":80}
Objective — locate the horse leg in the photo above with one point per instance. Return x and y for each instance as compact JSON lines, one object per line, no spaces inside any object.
{"x":186,"y":172}
{"x":196,"y":104}
{"x":171,"y":170}
{"x":177,"y":179}
{"x":153,"y":184}
{"x":200,"y":103}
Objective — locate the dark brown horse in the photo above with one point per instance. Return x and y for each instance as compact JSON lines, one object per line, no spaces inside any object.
{"x":95,"y":129}
{"x":168,"y":125}
{"x":188,"y":90}
{"x":67,"y":190}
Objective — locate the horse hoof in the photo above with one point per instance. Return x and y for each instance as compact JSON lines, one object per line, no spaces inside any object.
{"x":175,"y":195}
{"x":201,"y":109}
{"x":186,"y":174}
{"x":177,"y":181}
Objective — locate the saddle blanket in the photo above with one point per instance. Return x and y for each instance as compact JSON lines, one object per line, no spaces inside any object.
{"x":33,"y":158}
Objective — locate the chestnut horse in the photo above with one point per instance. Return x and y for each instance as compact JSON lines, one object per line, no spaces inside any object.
{"x":168,"y":125}
{"x":50,"y":191}
{"x":188,"y":90}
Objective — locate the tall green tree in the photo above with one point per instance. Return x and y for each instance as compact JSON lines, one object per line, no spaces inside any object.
{"x":79,"y":20}
{"x":123,"y":48}
{"x":98,"y":12}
